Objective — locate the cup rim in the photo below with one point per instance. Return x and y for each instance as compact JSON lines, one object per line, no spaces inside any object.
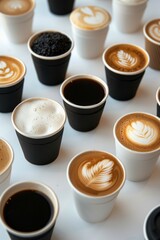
{"x":49,"y":58}
{"x":131,"y":4}
{"x":128,"y":149}
{"x":146,"y":35}
{"x":89,"y":30}
{"x":39,"y":136}
{"x":23,"y":14}
{"x":146,"y":219}
{"x":34,"y":185}
{"x":158,"y":96}
{"x":11,"y":159}
{"x":85,"y":76}
{"x":121,"y":72}
{"x":91,"y":196}
{"x":21,"y":76}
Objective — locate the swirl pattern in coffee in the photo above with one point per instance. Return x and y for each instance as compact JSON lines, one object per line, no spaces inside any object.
{"x":90,"y":17}
{"x":15,"y":7}
{"x":96,"y":173}
{"x":139,"y":132}
{"x":153,"y":29}
{"x":11,"y":70}
{"x":125,"y":58}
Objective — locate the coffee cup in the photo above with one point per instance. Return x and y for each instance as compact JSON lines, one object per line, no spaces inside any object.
{"x":50,"y":51}
{"x":16,"y":19}
{"x":39,"y":125}
{"x":152,"y":42}
{"x":6,"y":161}
{"x":151,"y":228}
{"x":29,"y":210}
{"x":84,"y":98}
{"x":128,"y":14}
{"x":158,"y":101}
{"x":137,"y":143}
{"x":96,"y":178}
{"x":12,"y":73}
{"x":125,"y":65}
{"x":90,"y":25}
{"x":61,"y":7}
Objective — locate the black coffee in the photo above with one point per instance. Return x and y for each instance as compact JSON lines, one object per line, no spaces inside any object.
{"x":153,"y":225}
{"x":28,"y":211}
{"x":84,"y":92}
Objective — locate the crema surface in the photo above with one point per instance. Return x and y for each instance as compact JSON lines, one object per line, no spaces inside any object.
{"x":153,"y":30}
{"x":15,"y":7}
{"x":5,"y":155}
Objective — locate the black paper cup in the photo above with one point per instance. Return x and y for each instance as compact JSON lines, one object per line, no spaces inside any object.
{"x":123,"y":85}
{"x":50,"y":70}
{"x":151,"y":227}
{"x":158,"y":101}
{"x":61,"y":7}
{"x":39,"y":149}
{"x":84,"y":117}
{"x":11,"y":94}
{"x":44,"y":232}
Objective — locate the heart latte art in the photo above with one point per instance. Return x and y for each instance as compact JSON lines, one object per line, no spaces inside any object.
{"x":15,"y":7}
{"x":90,"y":17}
{"x":153,"y":30}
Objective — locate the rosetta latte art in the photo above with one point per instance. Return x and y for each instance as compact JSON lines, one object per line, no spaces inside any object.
{"x":9,"y":71}
{"x":141,"y":133}
{"x":154,"y":31}
{"x":125,"y":59}
{"x":99,"y":176}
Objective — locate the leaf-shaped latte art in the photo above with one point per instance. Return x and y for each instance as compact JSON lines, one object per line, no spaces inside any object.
{"x":125,"y":59}
{"x":97,"y":176}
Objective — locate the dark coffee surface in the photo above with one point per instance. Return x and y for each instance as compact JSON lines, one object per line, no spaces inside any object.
{"x":153,"y":225}
{"x":27,"y":211}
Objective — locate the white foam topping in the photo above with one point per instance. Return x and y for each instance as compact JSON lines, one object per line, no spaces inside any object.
{"x":39,"y":117}
{"x":9,"y":71}
{"x":154,"y":30}
{"x":141,"y":133}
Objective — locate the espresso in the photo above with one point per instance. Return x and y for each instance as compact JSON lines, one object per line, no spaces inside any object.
{"x":153,"y":30}
{"x":16,"y":7}
{"x":90,"y":17}
{"x":84,"y":92}
{"x":96,"y":173}
{"x":28,"y":211}
{"x":5,"y":155}
{"x":139,"y":132}
{"x":11,"y":70}
{"x":126,"y":58}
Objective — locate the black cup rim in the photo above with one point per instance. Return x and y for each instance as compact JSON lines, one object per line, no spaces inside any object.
{"x":147,"y":36}
{"x":121,"y":72}
{"x":35,"y":35}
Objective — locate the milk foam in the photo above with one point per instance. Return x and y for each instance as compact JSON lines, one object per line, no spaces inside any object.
{"x":154,"y":30}
{"x":5,"y":155}
{"x":15,"y":6}
{"x":39,"y":117}
{"x":126,"y":59}
{"x":98,"y":176}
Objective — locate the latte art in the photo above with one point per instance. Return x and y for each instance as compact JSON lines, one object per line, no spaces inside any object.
{"x":154,"y":30}
{"x":125,"y":59}
{"x":15,"y":7}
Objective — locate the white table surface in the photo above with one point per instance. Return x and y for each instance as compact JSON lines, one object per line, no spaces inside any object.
{"x":135,"y":199}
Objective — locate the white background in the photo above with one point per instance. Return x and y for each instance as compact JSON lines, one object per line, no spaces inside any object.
{"x":135,"y":199}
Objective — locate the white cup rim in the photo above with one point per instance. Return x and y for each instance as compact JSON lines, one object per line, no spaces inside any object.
{"x":128,"y":149}
{"x":41,"y":187}
{"x":147,"y":36}
{"x":131,"y":3}
{"x":12,"y":156}
{"x":84,"y":76}
{"x":121,"y":72}
{"x":49,"y":58}
{"x":158,"y":96}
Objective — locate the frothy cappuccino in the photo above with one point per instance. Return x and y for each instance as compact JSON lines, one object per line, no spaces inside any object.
{"x":90,"y":17}
{"x":12,"y":70}
{"x":139,"y":132}
{"x":16,"y":7}
{"x":38,"y":117}
{"x":126,"y":58}
{"x":5,"y":155}
{"x":152,"y":29}
{"x":96,"y":173}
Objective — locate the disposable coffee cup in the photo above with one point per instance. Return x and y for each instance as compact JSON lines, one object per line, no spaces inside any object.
{"x":125,"y":65}
{"x":90,"y":25}
{"x":151,"y":228}
{"x":6,"y":161}
{"x":12,"y":74}
{"x":158,"y":101}
{"x":152,"y":42}
{"x":128,"y":14}
{"x":84,"y":98}
{"x":96,"y":179}
{"x":137,"y":144}
{"x":29,"y":210}
{"x":39,"y":125}
{"x":16,"y":19}
{"x":60,"y":7}
{"x":51,"y":63}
